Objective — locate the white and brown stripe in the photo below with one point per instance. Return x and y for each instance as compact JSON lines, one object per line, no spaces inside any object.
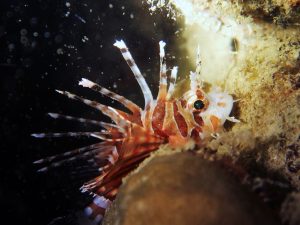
{"x":172,"y":82}
{"x":136,"y":71}
{"x":96,"y":87}
{"x":106,"y":110}
{"x":96,"y":209}
{"x":162,"y":92}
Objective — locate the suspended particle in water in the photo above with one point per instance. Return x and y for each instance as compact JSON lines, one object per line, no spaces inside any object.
{"x":80,"y":18}
{"x":33,"y":44}
{"x":98,"y":37}
{"x":33,"y":21}
{"x":27,"y":62}
{"x":17,"y":8}
{"x":47,"y":34}
{"x":59,"y":51}
{"x":11,"y":47}
{"x":9,"y":14}
{"x":9,"y":61}
{"x":85,"y":39}
{"x":24,"y":40}
{"x":58,"y":38}
{"x":23,"y":32}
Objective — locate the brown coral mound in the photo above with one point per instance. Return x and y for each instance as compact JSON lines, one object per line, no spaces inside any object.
{"x":183,"y":188}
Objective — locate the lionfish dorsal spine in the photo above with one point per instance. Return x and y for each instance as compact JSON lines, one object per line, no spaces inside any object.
{"x":162,"y":92}
{"x":193,"y":82}
{"x":173,"y":78}
{"x":136,"y":71}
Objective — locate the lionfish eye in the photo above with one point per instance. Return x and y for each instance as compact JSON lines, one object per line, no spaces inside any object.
{"x":199,"y":104}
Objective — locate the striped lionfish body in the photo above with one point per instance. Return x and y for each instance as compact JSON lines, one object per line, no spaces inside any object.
{"x":131,"y":137}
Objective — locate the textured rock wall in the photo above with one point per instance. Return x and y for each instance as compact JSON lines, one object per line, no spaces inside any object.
{"x":256,"y":59}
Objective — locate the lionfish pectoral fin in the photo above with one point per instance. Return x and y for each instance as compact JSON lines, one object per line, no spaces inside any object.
{"x":96,"y":87}
{"x":140,"y":141}
{"x":107,"y":126}
{"x":96,"y":154}
{"x":130,"y":117}
{"x":72,"y":118}
{"x":106,"y":110}
{"x":121,"y":162}
{"x":99,"y":135}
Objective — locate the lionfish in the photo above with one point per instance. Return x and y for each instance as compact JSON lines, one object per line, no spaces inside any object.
{"x":132,"y":137}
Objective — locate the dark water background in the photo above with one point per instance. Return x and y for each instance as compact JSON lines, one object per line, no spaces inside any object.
{"x":50,"y":44}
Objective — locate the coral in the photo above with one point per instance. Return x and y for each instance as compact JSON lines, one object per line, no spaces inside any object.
{"x":190,"y":191}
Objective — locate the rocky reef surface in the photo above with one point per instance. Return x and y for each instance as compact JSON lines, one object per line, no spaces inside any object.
{"x":263,"y":72}
{"x":183,"y":188}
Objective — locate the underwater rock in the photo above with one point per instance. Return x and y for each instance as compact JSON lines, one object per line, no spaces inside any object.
{"x":290,"y":210}
{"x":183,"y":188}
{"x":252,"y":49}
{"x":281,"y":12}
